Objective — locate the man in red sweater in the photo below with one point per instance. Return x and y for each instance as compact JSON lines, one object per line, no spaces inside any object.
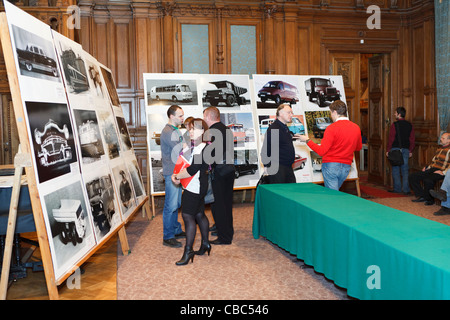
{"x":340,"y":140}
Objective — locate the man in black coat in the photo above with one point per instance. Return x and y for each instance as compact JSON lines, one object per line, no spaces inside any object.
{"x":222,"y":156}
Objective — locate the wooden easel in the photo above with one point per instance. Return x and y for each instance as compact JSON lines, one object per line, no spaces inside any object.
{"x":20,"y":161}
{"x":24,"y":161}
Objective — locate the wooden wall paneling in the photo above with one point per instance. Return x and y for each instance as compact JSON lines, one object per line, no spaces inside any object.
{"x":100,"y":46}
{"x":278,"y":43}
{"x":291,"y":42}
{"x":305,"y":48}
{"x":168,"y":38}
{"x":270,"y":39}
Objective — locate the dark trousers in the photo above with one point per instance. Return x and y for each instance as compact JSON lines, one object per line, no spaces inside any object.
{"x":284,"y":175}
{"x":423,"y":181}
{"x":222,"y":207}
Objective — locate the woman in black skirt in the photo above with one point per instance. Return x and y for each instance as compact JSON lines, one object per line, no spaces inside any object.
{"x":193,"y":198}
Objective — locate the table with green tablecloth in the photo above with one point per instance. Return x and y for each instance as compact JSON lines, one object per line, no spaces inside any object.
{"x":373,"y":251}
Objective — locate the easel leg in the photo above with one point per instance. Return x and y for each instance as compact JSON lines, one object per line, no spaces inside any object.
{"x":358,"y":190}
{"x":124,"y":241}
{"x":153,"y":206}
{"x":10,"y":232}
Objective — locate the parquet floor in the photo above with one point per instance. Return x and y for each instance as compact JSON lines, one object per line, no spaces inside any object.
{"x":98,"y":279}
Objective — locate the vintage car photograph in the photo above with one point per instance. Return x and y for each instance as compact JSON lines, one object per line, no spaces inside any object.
{"x":321,"y":91}
{"x":36,"y":56}
{"x":53,"y":140}
{"x":299,"y":162}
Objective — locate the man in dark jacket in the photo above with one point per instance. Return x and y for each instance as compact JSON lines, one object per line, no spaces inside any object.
{"x":223,"y":175}
{"x":278,"y":152}
{"x":401,"y":137}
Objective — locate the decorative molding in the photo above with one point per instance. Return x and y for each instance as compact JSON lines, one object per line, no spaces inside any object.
{"x":269,"y":10}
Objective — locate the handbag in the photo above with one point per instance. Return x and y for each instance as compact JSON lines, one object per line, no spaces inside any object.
{"x":395,"y":157}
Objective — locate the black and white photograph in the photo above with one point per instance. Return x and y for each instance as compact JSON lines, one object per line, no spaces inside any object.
{"x":36,"y":55}
{"x":136,"y":177}
{"x":110,"y":86}
{"x":168,"y":92}
{"x":90,"y":139}
{"x":73,"y":65}
{"x":124,"y":187}
{"x":108,"y":129}
{"x":102,"y":200}
{"x":230,"y":93}
{"x":124,"y":134}
{"x":69,"y":224}
{"x":53,"y":140}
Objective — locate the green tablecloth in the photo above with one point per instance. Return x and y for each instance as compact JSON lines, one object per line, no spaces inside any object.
{"x":355,"y":242}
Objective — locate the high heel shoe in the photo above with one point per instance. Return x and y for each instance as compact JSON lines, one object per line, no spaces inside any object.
{"x":205,"y":247}
{"x":187,"y":255}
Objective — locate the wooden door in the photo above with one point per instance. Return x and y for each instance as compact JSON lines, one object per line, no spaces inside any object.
{"x":379,"y":118}
{"x":346,"y":64}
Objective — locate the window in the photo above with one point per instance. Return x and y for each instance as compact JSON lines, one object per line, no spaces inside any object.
{"x":195,"y":48}
{"x":243,"y":49}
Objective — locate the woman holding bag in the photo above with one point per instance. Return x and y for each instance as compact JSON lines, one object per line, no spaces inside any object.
{"x":193,"y":198}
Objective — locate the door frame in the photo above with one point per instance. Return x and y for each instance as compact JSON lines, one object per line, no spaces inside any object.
{"x":392,"y":92}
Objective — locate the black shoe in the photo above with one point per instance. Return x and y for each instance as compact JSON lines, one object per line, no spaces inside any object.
{"x":393,"y":191}
{"x":219,"y":242}
{"x":442,"y":211}
{"x":407,"y":193}
{"x":188,"y":254}
{"x":441,"y":194}
{"x":213,"y":228}
{"x":172,"y":243}
{"x":205,"y":247}
{"x":182,"y":234}
{"x":214,"y":233}
{"x":421,"y":199}
{"x":429,"y":202}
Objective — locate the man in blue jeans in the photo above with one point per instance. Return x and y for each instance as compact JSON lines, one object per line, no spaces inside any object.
{"x":401,"y":137}
{"x":171,"y":145}
{"x":441,"y":194}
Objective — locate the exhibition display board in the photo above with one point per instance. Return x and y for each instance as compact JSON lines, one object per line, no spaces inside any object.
{"x":84,"y":180}
{"x":373,"y":251}
{"x":247,"y":107}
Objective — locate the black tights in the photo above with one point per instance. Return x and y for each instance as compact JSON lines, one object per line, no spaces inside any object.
{"x":190,"y":226}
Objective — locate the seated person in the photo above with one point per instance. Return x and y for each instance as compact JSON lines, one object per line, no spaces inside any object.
{"x":441,"y":194}
{"x":431,"y":173}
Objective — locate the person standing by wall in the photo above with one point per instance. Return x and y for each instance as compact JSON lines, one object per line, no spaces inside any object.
{"x":340,"y":140}
{"x":171,"y":145}
{"x":278,"y":162}
{"x":223,"y":175}
{"x":401,"y":137}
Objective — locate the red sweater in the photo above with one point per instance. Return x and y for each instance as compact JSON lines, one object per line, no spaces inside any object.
{"x":340,"y":140}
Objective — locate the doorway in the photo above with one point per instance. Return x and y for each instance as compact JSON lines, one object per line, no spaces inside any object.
{"x":366,"y":79}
